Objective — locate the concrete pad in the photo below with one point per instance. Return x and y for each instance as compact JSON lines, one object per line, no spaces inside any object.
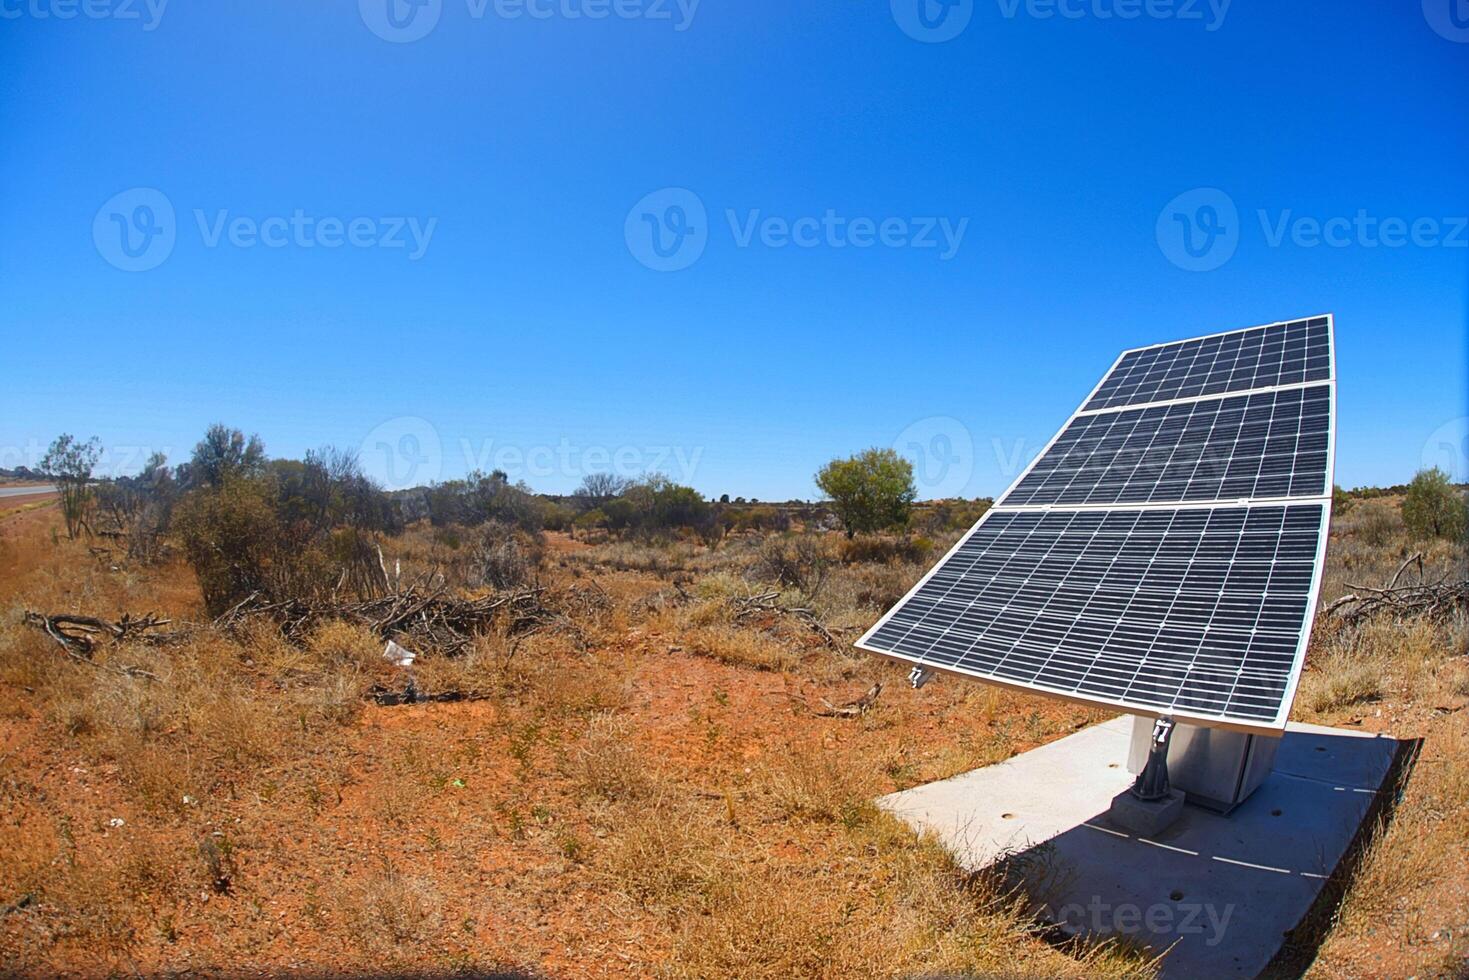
{"x":1218,"y":893}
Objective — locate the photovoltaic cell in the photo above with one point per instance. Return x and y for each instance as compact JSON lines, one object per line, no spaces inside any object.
{"x":1261,"y":357}
{"x":1263,"y":445}
{"x":1162,"y":553}
{"x":1198,"y":610}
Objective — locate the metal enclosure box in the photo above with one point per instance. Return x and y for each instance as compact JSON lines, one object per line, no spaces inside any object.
{"x":1215,"y":768}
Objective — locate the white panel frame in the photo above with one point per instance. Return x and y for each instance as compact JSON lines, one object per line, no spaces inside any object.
{"x":1277,"y":725}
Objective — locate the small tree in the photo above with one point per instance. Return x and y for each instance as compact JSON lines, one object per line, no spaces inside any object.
{"x":1433,"y":508}
{"x":601,"y":486}
{"x":869,"y":491}
{"x":69,"y":463}
{"x":223,"y":453}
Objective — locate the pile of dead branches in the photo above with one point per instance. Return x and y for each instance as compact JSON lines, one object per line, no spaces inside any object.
{"x":424,"y":620}
{"x":1424,"y":600}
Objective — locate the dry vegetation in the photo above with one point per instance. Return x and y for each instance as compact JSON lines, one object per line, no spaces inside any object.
{"x":642,"y":784}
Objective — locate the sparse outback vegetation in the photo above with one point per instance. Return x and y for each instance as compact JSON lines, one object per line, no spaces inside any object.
{"x":621,"y":773}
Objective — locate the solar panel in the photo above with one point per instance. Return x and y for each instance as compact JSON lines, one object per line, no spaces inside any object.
{"x":1159,"y":558}
{"x":1199,"y":608}
{"x":1267,"y":444}
{"x":1260,"y":357}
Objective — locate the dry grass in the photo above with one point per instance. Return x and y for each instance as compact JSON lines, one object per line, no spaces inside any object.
{"x":631,"y":791}
{"x":815,"y":783}
{"x":386,"y":911}
{"x":607,"y":764}
{"x":665,"y":855}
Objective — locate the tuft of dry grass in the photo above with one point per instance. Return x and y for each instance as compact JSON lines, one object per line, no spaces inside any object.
{"x":815,"y":783}
{"x":606,"y":764}
{"x":741,"y":647}
{"x":1340,"y":681}
{"x":387,"y":910}
{"x":665,"y":855}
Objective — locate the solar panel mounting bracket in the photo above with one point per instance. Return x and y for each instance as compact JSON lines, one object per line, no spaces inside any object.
{"x":919,"y":676}
{"x":1152,"y":783}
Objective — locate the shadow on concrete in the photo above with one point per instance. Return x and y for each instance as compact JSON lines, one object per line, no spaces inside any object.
{"x":1244,"y":895}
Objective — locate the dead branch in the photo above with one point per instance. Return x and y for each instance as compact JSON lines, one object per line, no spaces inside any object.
{"x":852,"y":709}
{"x":77,"y":637}
{"x":1432,"y":600}
{"x":411,"y":694}
{"x":768,"y":602}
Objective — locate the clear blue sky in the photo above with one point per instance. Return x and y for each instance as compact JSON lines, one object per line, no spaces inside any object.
{"x":1053,"y":147}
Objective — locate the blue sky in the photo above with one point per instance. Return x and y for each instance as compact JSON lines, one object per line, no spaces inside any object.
{"x":982,"y":223}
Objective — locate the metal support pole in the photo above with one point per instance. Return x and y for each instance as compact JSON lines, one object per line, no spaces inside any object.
{"x":1152,"y":782}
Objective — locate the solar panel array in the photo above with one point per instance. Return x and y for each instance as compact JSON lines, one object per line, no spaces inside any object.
{"x":1161,"y":558}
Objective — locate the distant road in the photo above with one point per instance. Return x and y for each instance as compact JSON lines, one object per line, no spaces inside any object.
{"x":24,"y":491}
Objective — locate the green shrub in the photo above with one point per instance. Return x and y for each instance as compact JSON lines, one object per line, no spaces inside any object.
{"x":228,"y":533}
{"x":870,"y":491}
{"x":1433,"y":507}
